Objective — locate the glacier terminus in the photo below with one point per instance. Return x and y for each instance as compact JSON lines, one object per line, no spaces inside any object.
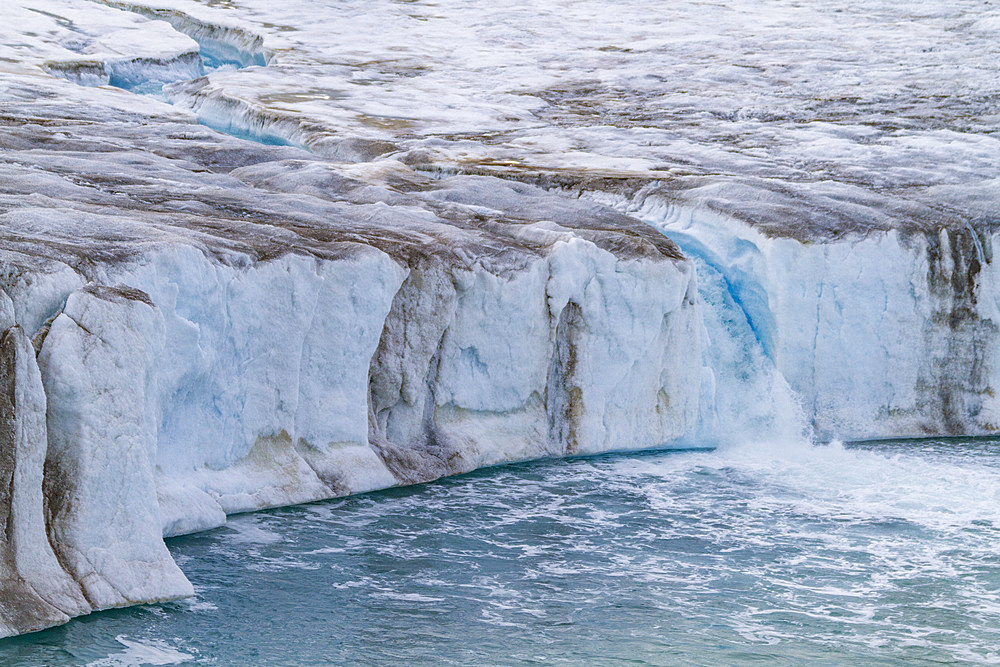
{"x":258,"y":254}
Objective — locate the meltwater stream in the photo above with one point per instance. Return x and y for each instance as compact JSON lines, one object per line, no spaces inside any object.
{"x":881,"y":553}
{"x":213,"y":56}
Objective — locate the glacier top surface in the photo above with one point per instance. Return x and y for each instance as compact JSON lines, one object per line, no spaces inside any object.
{"x":807,"y":119}
{"x":90,"y":176}
{"x":804,"y":119}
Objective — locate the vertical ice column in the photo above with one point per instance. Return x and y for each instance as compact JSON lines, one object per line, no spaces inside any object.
{"x":98,"y":364}
{"x":403,"y":377}
{"x":35,"y":592}
{"x":563,"y":396}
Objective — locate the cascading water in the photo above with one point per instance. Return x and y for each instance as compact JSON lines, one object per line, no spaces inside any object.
{"x":745,"y":400}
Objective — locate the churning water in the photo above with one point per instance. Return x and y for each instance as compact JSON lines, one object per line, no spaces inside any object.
{"x":883,"y":553}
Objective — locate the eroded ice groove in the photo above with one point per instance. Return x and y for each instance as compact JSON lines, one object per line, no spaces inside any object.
{"x":886,"y":334}
{"x":146,"y":49}
{"x":95,"y":45}
{"x":221,"y":47}
{"x":220,"y":43}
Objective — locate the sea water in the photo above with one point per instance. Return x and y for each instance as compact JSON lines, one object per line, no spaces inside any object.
{"x":878,"y":553}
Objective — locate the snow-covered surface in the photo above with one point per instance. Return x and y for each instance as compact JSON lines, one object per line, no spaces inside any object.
{"x":354,"y":300}
{"x":95,"y":45}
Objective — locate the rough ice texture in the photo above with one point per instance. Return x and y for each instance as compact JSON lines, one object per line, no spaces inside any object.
{"x":808,"y":120}
{"x":849,"y":146}
{"x":99,"y":362}
{"x":35,"y":591}
{"x":886,"y":335}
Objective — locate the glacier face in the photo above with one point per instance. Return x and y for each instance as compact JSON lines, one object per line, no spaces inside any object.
{"x":884,"y":335}
{"x":354,"y":300}
{"x":222,"y":326}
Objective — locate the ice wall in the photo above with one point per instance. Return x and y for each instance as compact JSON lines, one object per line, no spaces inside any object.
{"x":35,"y":590}
{"x":178,"y":382}
{"x":222,"y":326}
{"x":886,"y":334}
{"x":299,"y":379}
{"x":98,"y":369}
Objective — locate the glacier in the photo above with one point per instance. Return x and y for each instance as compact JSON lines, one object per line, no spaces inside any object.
{"x":880,"y":335}
{"x":246,"y":265}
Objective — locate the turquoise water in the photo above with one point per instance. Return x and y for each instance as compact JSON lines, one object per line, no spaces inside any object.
{"x":884,"y":553}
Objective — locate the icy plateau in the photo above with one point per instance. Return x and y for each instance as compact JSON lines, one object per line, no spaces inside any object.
{"x":250,"y":257}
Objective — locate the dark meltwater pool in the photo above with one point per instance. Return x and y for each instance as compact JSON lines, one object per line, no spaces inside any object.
{"x":885,"y":553}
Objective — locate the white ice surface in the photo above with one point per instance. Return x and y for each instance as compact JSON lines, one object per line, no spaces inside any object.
{"x":840,"y":114}
{"x":92,"y":44}
{"x":862,"y":329}
{"x":257,"y":377}
{"x":36,"y":590}
{"x":98,"y":365}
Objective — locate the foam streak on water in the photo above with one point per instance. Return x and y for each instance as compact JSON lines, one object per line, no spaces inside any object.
{"x":881,"y":554}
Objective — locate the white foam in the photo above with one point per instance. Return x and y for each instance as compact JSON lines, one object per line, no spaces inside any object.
{"x":139,"y":653}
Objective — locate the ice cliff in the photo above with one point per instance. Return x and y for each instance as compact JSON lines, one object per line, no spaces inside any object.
{"x":886,"y":333}
{"x":416,"y":267}
{"x":222,"y":326}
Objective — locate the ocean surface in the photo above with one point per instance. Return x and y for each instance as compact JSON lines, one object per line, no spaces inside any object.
{"x":880,"y":553}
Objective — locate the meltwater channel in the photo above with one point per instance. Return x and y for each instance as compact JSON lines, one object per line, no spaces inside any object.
{"x":880,"y":553}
